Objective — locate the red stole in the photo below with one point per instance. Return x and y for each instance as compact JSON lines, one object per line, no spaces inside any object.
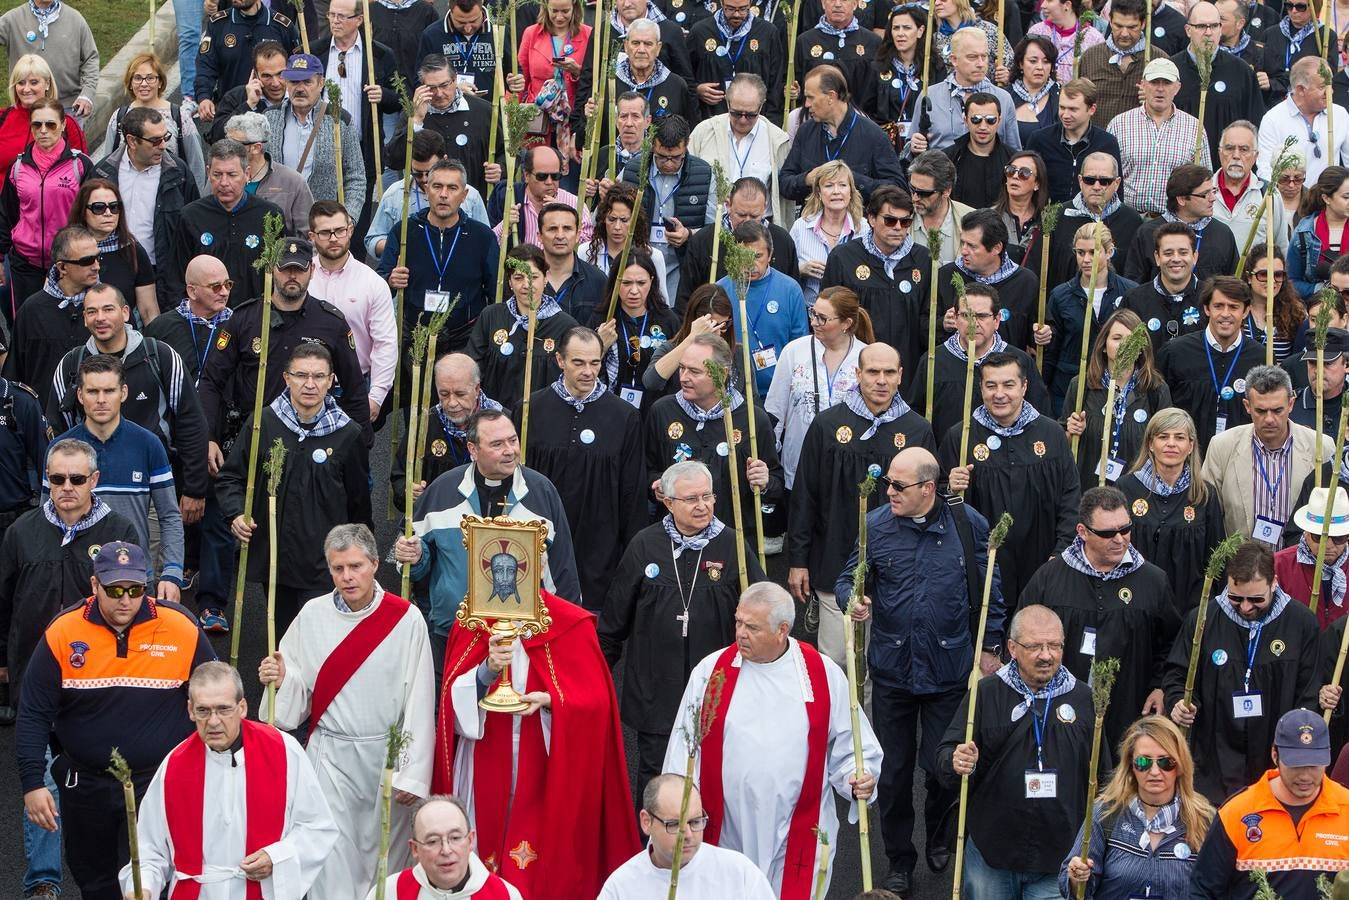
{"x":352,"y":652}
{"x":492,"y":889}
{"x":798,"y":870}
{"x":184,"y":789}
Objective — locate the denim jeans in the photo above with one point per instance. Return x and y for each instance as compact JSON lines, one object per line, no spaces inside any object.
{"x":986,"y":883}
{"x":42,"y":848}
{"x":215,"y":567}
{"x":188,"y":14}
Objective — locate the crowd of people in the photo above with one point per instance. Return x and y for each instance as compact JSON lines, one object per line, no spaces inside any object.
{"x":1082,"y":266}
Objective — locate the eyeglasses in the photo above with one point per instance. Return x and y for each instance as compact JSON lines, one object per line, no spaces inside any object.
{"x":892,"y":221}
{"x":118,"y":591}
{"x":671,"y":160}
{"x":1145,"y":763}
{"x":443,"y":86}
{"x":341,"y":54}
{"x":219,"y":287}
{"x":980,"y":119}
{"x":1240,"y":600}
{"x":306,"y":377}
{"x":59,"y":480}
{"x":1205,"y":195}
{"x":145,"y":79}
{"x":1025,"y":173}
{"x":1344,"y":292}
{"x":820,"y":318}
{"x":157,"y":141}
{"x":1097,"y":180}
{"x":45,"y":125}
{"x":81,"y":261}
{"x":899,"y":486}
{"x":1110,"y":533}
{"x":207,"y":713}
{"x":102,"y":208}
{"x":706,"y":499}
{"x":919,"y":192}
{"x":331,"y":234}
{"x":1211,"y":26}
{"x":340,"y":17}
{"x":742,"y":115}
{"x":1263,"y":275}
{"x":547,"y":176}
{"x":1292,"y":179}
{"x":1051,"y":646}
{"x":672,"y":825}
{"x":420,"y":175}
{"x":978,"y":317}
{"x":437,"y":842}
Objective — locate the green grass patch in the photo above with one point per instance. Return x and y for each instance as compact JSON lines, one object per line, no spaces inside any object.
{"x":112,"y":21}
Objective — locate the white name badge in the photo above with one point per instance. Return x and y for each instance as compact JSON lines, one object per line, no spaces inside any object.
{"x":658,"y":234}
{"x":1089,"y":642}
{"x":1114,"y":468}
{"x":466,"y":83}
{"x":1219,"y":425}
{"x":631,"y":395}
{"x":436,"y":301}
{"x":765,"y":357}
{"x":1247,"y":706}
{"x":1042,"y":785}
{"x":1268,"y":530}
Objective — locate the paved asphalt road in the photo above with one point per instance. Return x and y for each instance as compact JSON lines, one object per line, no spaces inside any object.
{"x":847,"y":875}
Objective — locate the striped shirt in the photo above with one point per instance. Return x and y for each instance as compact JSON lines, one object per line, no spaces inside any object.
{"x":530,"y":213}
{"x":1150,"y":152}
{"x":1270,"y":480}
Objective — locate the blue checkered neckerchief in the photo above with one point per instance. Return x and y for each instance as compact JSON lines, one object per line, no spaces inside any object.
{"x":695,"y":542}
{"x":1075,"y":557}
{"x":329,"y":420}
{"x":824,"y":26}
{"x":1028,"y":414}
{"x":220,"y":318}
{"x":1062,"y":682}
{"x":45,"y":17}
{"x":1198,"y":227}
{"x":859,"y":408}
{"x":546,"y":310}
{"x":454,"y":431}
{"x":703,"y":417}
{"x":739,"y":34}
{"x":110,"y":244}
{"x":1020,"y":89}
{"x":1116,"y":54}
{"x":659,"y":73}
{"x":53,"y":287}
{"x":1005,"y":270}
{"x":892,"y":261}
{"x":1295,"y":40}
{"x":960,"y":92}
{"x":1241,"y":45}
{"x":97,"y":510}
{"x":560,"y":389}
{"x":1148,"y":477}
{"x":652,"y":12}
{"x":1332,"y":571}
{"x":957,"y":347}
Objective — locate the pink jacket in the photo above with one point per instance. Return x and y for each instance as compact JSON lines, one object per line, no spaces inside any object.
{"x":34,"y":206}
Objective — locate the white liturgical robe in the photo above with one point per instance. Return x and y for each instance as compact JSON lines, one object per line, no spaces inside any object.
{"x":713,"y":873}
{"x":306,"y":838}
{"x":477,"y":874}
{"x":347,"y":746}
{"x":764,"y":755}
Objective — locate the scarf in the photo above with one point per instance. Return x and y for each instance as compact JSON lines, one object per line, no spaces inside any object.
{"x":701,"y":417}
{"x":1075,"y":557}
{"x":1028,"y":414}
{"x":1024,"y":93}
{"x":329,"y":420}
{"x":1281,"y":601}
{"x":695,"y":542}
{"x":396,"y":5}
{"x":1162,"y":823}
{"x":1240,"y":47}
{"x":908,"y":73}
{"x":651,"y":13}
{"x":45,"y":17}
{"x":220,"y":318}
{"x":892,"y":261}
{"x":1079,"y":208}
{"x":1295,"y":40}
{"x":1344,"y":466}
{"x":1116,"y":54}
{"x":580,"y":405}
{"x":110,"y":244}
{"x":1332,"y":572}
{"x":1197,"y":226}
{"x":53,"y":287}
{"x":1162,"y":291}
{"x":97,"y":511}
{"x":1148,"y":477}
{"x":1062,"y":682}
{"x":1121,"y":397}
{"x":547,"y":309}
{"x":624,"y":72}
{"x":960,"y":92}
{"x":1005,"y":270}
{"x":859,"y":407}
{"x":454,"y":431}
{"x":737,"y":35}
{"x":830,"y":30}
{"x":957,"y":347}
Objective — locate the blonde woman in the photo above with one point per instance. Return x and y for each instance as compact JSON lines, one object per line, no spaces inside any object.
{"x":145,"y":81}
{"x":30,"y":82}
{"x":1178,"y":519}
{"x":831,"y":215}
{"x":1149,"y":822}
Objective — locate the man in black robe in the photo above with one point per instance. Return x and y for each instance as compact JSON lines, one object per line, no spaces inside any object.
{"x":1258,"y":659}
{"x":671,"y":601}
{"x":1112,"y":603}
{"x":1233,"y":93}
{"x":1020,"y":464}
{"x":688,"y":425}
{"x":734,"y":41}
{"x":588,"y":443}
{"x":868,"y":428}
{"x":1169,"y":303}
{"x":838,"y":39}
{"x":1190,"y":196}
{"x":983,"y":258}
{"x":1207,"y":370}
{"x":1097,"y":200}
{"x":948,"y":381}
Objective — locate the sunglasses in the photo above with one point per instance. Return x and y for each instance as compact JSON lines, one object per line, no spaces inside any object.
{"x":45,"y":125}
{"x":342,"y":62}
{"x":919,"y":192}
{"x":1144,"y":763}
{"x":899,"y":486}
{"x":547,"y":176}
{"x":118,"y":591}
{"x":892,"y":221}
{"x":82,"y":261}
{"x":1096,"y":180}
{"x":989,"y":119}
{"x":1263,"y":275}
{"x":742,"y":115}
{"x":101,"y":208}
{"x":1296,"y":7}
{"x":1254,"y":600}
{"x":219,"y":287}
{"x":1025,"y":173}
{"x":1109,"y":533}
{"x":158,"y":141}
{"x":1292,"y":179}
{"x":60,"y":480}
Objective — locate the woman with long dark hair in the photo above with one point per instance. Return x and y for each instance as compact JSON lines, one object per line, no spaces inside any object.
{"x":1023,"y":197}
{"x":708,"y":311}
{"x":899,"y":70}
{"x":642,"y":321}
{"x":1318,"y":239}
{"x":1290,"y":316}
{"x":123,"y":262}
{"x":613,"y":218}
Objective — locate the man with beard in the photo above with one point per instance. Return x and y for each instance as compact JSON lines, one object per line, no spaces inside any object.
{"x":1169,"y":303}
{"x":983,"y":258}
{"x":1190,"y":196}
{"x":980,"y":156}
{"x":932,"y":177}
{"x":1241,"y":193}
{"x":464,"y":39}
{"x":1097,"y":200}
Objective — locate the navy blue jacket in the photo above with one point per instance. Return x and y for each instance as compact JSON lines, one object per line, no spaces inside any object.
{"x":470,"y":269}
{"x":920,"y":630}
{"x":1062,"y":160}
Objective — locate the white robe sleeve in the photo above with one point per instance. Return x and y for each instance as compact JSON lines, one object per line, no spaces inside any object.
{"x":419,"y":720}
{"x":470,"y":719}
{"x":310,"y":831}
{"x":152,"y":833}
{"x":297,"y":689}
{"x":840,"y":761}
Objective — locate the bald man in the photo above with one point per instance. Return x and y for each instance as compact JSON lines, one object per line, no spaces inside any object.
{"x":925,"y":569}
{"x":193,"y":329}
{"x":445,"y":848}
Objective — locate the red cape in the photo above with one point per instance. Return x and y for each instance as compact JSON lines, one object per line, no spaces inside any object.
{"x":571,"y":822}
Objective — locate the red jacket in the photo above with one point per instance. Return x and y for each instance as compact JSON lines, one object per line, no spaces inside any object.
{"x":1296,"y":580}
{"x":536,"y":58}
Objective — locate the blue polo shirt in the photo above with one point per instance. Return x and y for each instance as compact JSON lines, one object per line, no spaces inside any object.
{"x":777,"y":315}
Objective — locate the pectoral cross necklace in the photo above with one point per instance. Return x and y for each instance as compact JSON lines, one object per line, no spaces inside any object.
{"x":683,"y":617}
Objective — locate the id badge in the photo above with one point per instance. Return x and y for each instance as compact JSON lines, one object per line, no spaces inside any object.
{"x":903,"y":128}
{"x":658,"y":234}
{"x":1089,"y":642}
{"x":1219,"y":425}
{"x":766,"y":357}
{"x":1114,"y":468}
{"x":1267,"y":530}
{"x":1247,"y":706}
{"x":466,"y":83}
{"x":436,"y":301}
{"x":631,"y":395}
{"x":1042,"y":785}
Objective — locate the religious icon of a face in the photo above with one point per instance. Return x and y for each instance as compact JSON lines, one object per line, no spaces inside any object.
{"x":505,"y":578}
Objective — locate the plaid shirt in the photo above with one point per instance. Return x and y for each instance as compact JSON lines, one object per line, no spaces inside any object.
{"x":1270,"y":479}
{"x":1150,"y":152}
{"x":1116,"y":88}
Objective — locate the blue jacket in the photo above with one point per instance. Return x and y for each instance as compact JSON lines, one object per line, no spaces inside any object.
{"x":436,"y":517}
{"x":1303,"y":252}
{"x":769,"y":327}
{"x":921,"y":636}
{"x":1123,"y":869}
{"x":1065,"y":310}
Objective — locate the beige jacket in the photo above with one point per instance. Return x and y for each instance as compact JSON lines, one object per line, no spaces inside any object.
{"x":711,"y":141}
{"x":1228,"y":468}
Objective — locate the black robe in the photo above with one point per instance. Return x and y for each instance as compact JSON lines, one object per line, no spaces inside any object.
{"x":1231,"y":753}
{"x":640,"y":621}
{"x":1331,"y":639}
{"x":1135,"y":621}
{"x":1233,"y":94}
{"x":660,"y":326}
{"x":822,"y":520}
{"x":1184,"y":364}
{"x":1175,"y":535}
{"x":671,"y":437}
{"x":594,"y":458}
{"x":1167,"y":317}
{"x":1018,"y":296}
{"x":1218,"y":251}
{"x":1032,"y":476}
{"x":1126,"y":436}
{"x":760,"y":53}
{"x":852,"y":55}
{"x":948,"y":388}
{"x":898,"y":306}
{"x":503,"y":376}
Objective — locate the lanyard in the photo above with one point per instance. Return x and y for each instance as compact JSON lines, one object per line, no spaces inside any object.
{"x":735,"y":60}
{"x":847,"y":134}
{"x":201,"y":357}
{"x":559,"y":294}
{"x":741,"y":163}
{"x":1272,"y":489}
{"x":904,"y":87}
{"x":754,"y":330}
{"x":1219,"y":388}
{"x":830,"y":376}
{"x":661,"y":201}
{"x":466,"y":55}
{"x":627,"y":342}
{"x":1118,"y":416}
{"x":1251,"y":649}
{"x":441,"y":266}
{"x":1040,"y":725}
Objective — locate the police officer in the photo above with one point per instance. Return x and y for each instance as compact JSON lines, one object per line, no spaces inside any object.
{"x":226,"y":56}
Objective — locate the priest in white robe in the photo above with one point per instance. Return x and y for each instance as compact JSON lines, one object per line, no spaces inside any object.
{"x":235,"y":807}
{"x":706,"y":872}
{"x":781,"y":738}
{"x":445,"y":848}
{"x":354,"y":663}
